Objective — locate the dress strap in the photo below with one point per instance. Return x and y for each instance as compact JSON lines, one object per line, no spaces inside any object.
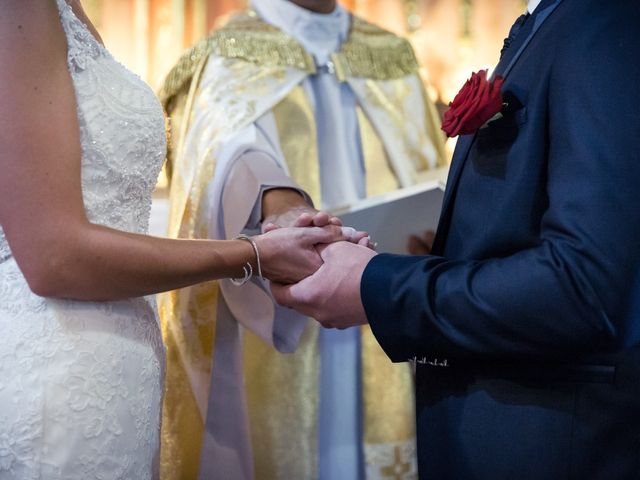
{"x":82,"y":46}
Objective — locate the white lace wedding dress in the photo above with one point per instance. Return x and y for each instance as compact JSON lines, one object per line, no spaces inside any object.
{"x":81,"y":382}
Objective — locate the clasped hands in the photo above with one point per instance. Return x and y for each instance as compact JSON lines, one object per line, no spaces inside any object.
{"x":319,"y":265}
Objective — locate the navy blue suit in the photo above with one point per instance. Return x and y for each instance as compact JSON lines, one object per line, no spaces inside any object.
{"x":525,"y":321}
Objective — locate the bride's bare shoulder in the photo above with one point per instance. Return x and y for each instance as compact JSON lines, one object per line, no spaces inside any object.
{"x":30,"y":30}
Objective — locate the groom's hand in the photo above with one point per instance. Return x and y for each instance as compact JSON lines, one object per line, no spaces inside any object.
{"x":289,"y":255}
{"x":332,"y":294}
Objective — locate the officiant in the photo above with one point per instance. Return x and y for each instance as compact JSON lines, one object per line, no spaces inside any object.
{"x":290,"y":105}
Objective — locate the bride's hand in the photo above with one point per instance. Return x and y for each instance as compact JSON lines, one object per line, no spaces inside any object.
{"x":308,"y":217}
{"x":287,"y":255}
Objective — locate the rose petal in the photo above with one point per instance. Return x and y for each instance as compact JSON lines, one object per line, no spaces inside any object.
{"x":477,"y":101}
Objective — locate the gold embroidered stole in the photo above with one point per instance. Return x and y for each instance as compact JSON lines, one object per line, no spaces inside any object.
{"x":188,"y":323}
{"x":282,"y":390}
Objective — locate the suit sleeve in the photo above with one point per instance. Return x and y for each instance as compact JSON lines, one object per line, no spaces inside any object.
{"x":569,"y":295}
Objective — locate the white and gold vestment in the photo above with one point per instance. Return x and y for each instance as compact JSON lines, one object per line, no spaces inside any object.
{"x":243,"y":106}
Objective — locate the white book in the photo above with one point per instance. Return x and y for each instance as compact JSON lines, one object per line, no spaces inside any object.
{"x":391,"y":218}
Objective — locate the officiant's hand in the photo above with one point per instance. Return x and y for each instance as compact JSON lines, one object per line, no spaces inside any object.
{"x":321,"y":219}
{"x":300,"y":216}
{"x":288,"y":255}
{"x":284,"y":207}
{"x":332,"y":294}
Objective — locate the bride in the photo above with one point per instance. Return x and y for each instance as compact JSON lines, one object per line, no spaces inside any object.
{"x":81,"y":357}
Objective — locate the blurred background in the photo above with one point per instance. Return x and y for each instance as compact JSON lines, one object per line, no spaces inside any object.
{"x":452,"y":38}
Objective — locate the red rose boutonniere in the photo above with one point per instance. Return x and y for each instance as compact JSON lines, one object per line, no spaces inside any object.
{"x":478,"y":102}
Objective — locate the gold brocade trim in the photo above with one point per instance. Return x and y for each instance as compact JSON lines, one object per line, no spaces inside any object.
{"x":296,"y":126}
{"x":404,"y":120}
{"x":380,"y":177}
{"x":372,"y":52}
{"x":249,"y":38}
{"x":180,"y":105}
{"x":182,"y":72}
{"x":188,"y":321}
{"x":282,"y":390}
{"x":395,"y":460}
{"x":434,"y":132}
{"x":283,"y":401}
{"x":368,"y":52}
{"x":387,"y":387}
{"x":246,"y":37}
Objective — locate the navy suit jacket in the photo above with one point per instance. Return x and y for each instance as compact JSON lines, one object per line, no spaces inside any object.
{"x":525,"y":320}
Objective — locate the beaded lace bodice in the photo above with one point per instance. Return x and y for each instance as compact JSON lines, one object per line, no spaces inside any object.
{"x":81,"y":382}
{"x":122,"y":133}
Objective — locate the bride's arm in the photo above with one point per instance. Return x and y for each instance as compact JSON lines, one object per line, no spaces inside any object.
{"x":59,"y":251}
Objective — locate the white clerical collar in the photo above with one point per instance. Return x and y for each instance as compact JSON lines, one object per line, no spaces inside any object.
{"x":532,"y":5}
{"x":320,"y":34}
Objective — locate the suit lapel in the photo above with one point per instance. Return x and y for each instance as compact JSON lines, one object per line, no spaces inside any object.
{"x":465,"y":142}
{"x":459,"y":156}
{"x":521,"y":42}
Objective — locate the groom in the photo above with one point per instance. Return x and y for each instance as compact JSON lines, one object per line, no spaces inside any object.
{"x":522,"y":322}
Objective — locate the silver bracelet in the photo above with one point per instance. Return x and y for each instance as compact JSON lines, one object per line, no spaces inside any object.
{"x":251,"y":241}
{"x":248,"y":273}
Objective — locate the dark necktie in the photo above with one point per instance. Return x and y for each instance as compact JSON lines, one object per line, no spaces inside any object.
{"x":517,"y":25}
